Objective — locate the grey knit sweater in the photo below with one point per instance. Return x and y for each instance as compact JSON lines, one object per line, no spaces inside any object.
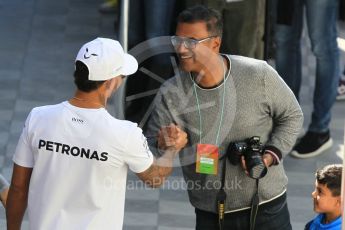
{"x":257,"y":103}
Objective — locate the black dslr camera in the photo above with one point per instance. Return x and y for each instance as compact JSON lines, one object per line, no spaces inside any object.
{"x":252,"y":150}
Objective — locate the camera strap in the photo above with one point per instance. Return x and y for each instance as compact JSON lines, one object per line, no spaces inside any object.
{"x":254,"y":207}
{"x":221,"y":198}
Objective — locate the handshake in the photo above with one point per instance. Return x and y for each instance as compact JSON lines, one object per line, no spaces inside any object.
{"x":171,"y":137}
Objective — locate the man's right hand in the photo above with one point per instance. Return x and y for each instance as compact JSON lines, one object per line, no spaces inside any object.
{"x":172,"y":137}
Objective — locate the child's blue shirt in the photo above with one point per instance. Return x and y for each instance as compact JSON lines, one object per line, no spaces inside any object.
{"x":316,"y":224}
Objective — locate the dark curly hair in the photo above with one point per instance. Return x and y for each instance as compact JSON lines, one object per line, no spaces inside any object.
{"x":200,"y":13}
{"x":330,"y":175}
{"x":81,"y":78}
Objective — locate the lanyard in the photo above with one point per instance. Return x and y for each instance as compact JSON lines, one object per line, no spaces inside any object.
{"x":199,"y":111}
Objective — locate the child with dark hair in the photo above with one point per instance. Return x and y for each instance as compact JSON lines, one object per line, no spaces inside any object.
{"x":327,"y":199}
{"x":3,"y":190}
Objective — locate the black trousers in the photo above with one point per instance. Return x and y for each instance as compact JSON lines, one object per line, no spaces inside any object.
{"x":273,"y":215}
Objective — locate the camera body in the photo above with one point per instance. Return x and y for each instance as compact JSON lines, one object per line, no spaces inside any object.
{"x":252,"y":150}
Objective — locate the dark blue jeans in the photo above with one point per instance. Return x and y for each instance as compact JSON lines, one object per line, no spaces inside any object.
{"x":271,"y":216}
{"x":149,"y":19}
{"x":321,"y":18}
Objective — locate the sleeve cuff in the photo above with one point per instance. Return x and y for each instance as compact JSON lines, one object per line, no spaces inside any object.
{"x":22,"y":162}
{"x":275,"y":153}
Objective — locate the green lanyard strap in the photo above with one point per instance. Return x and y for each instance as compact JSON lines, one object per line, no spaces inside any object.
{"x":199,"y":111}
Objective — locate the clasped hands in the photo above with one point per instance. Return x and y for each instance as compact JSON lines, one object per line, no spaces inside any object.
{"x":172,"y":137}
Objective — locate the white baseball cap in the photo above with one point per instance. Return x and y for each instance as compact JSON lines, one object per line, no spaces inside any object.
{"x":105,"y":59}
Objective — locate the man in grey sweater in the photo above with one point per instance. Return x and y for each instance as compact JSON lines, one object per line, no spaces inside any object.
{"x":220,"y":99}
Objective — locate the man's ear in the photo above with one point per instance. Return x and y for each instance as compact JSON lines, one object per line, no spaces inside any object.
{"x":110,"y":85}
{"x":216,"y":43}
{"x":339,"y":201}
{"x":107,"y":83}
{"x":116,"y":83}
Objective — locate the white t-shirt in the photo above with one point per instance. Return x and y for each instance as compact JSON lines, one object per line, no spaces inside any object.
{"x":79,"y":159}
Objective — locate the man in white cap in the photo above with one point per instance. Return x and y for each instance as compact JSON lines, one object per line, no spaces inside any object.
{"x":70,"y":165}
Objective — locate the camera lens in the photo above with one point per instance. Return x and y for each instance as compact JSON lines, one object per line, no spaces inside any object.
{"x":258,"y":171}
{"x":256,"y":167}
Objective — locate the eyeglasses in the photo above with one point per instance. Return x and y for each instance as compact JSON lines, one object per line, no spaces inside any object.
{"x":189,"y":43}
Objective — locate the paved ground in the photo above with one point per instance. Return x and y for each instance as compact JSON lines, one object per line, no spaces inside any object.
{"x":38,"y":43}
